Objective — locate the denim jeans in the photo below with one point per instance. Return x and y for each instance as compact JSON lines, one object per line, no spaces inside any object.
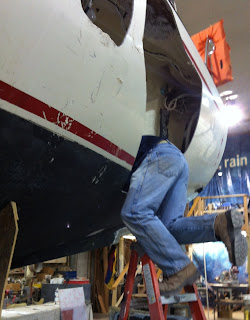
{"x":154,"y":209}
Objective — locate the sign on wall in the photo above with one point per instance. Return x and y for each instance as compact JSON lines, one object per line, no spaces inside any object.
{"x":233,"y":174}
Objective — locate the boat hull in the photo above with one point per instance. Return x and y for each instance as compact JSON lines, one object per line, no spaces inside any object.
{"x":63,"y":190}
{"x":74,"y":105}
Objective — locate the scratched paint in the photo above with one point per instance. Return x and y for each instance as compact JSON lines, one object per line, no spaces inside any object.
{"x":64,"y":121}
{"x":95,"y":93}
{"x":120,"y":84}
{"x":85,"y":65}
{"x":76,"y":79}
{"x":96,"y":179}
{"x":94,"y":233}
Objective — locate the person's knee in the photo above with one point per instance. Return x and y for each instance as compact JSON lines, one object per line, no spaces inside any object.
{"x":185,"y":169}
{"x":128,"y":218}
{"x":124,"y":215}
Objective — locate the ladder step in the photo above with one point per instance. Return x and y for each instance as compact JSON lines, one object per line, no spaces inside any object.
{"x":179,"y":298}
{"x":155,"y":301}
{"x":139,"y":295}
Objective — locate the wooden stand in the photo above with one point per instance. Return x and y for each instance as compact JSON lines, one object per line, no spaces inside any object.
{"x":199,"y":204}
{"x":8,"y":235}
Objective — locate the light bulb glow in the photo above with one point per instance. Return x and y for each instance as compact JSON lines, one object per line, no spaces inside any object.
{"x":226,"y":93}
{"x":230,"y":115}
{"x":232,"y":97}
{"x":129,"y":237}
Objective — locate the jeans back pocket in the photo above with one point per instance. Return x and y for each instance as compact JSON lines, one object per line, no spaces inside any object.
{"x":169,"y":164}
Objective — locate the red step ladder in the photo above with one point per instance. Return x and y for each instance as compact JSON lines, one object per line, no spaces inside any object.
{"x":158,"y":305}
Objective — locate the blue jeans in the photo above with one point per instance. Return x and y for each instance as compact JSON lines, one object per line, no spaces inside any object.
{"x":154,"y":209}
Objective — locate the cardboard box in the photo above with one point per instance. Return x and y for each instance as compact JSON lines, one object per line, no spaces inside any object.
{"x":48,"y":270}
{"x":13,"y":286}
{"x":41,"y":276}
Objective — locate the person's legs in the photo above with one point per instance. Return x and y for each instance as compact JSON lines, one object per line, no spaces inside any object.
{"x":149,"y":185}
{"x":224,"y":227}
{"x":186,"y":230}
{"x":171,"y":213}
{"x":228,"y":230}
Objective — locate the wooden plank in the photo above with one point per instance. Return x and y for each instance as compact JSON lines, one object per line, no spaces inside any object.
{"x":229,"y":301}
{"x":139,"y":295}
{"x":105,"y":268}
{"x":102,"y":304}
{"x":95,"y":282}
{"x":141,"y":288}
{"x":114,"y":297}
{"x":8,"y":235}
{"x":119,"y":301}
{"x":99,"y":282}
{"x":58,"y":260}
{"x":196,"y":200}
{"x":226,"y":196}
{"x":121,"y":257}
{"x":200,"y":207}
{"x":203,"y":205}
{"x":215,"y":211}
{"x":118,"y":280}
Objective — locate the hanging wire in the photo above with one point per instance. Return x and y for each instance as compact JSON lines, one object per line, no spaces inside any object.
{"x":172,"y":105}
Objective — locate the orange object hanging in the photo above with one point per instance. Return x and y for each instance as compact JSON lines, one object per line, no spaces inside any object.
{"x":219,"y":64}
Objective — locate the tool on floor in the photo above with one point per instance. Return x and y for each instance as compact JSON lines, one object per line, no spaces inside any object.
{"x":158,"y":305}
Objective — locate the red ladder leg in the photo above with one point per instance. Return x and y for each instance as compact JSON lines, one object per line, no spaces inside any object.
{"x":129,"y":286}
{"x":165,"y":310}
{"x":152,"y":289}
{"x":195,"y":306}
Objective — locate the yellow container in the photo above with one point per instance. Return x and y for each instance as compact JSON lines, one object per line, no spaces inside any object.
{"x":246,"y":314}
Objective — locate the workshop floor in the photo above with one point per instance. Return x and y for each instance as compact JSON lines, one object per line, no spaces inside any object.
{"x":237,"y":315}
{"x":100,"y":316}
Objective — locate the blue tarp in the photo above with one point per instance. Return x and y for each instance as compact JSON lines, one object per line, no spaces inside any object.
{"x":235,"y":168}
{"x":235,"y":179}
{"x":216,"y":261}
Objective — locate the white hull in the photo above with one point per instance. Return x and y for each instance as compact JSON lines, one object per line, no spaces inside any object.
{"x":61,"y":72}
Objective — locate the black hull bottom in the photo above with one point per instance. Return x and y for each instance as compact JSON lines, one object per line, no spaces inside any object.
{"x":63,"y":192}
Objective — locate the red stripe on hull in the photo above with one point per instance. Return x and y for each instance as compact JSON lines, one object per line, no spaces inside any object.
{"x":42,"y":110}
{"x":201,"y":75}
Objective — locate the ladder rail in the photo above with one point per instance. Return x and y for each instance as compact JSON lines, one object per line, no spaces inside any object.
{"x":129,"y":286}
{"x":158,"y":306}
{"x":196,"y":307}
{"x":152,"y":289}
